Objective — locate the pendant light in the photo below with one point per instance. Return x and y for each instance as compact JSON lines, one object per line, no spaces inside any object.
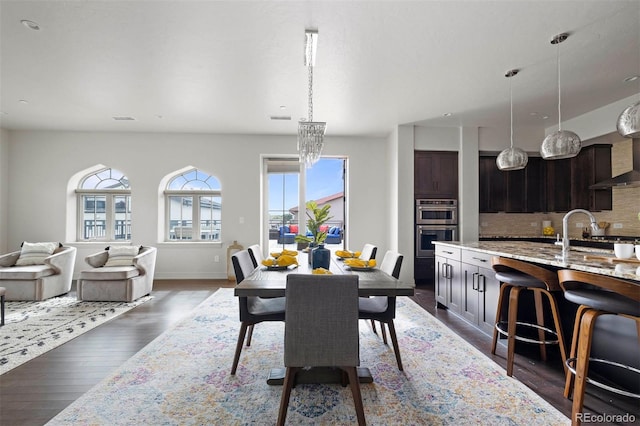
{"x":310,"y":133}
{"x":562,"y":143}
{"x":628,"y":124}
{"x":512,"y":158}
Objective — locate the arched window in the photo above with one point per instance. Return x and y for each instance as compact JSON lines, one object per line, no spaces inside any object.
{"x":104,"y":207}
{"x":193,"y":201}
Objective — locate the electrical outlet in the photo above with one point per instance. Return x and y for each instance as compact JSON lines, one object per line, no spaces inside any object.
{"x":484,"y":224}
{"x":617,"y":226}
{"x":241,"y":220}
{"x":579,"y":225}
{"x":534,"y":224}
{"x":216,"y":258}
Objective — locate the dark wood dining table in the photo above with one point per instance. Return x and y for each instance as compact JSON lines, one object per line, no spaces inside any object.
{"x":265,"y":282}
{"x":272,"y":283}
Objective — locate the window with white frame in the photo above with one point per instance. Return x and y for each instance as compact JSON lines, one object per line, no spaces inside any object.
{"x":104,"y":207}
{"x":193,"y":202}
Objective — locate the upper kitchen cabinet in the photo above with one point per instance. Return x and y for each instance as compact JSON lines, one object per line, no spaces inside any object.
{"x":547,"y":185}
{"x":435,"y":174}
{"x":516,"y":191}
{"x":592,"y":165}
{"x":558,"y":185}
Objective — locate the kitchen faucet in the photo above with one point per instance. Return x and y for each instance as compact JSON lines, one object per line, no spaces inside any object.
{"x":565,"y":231}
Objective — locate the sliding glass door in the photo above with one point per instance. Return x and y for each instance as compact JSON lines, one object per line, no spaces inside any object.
{"x":286,"y":189}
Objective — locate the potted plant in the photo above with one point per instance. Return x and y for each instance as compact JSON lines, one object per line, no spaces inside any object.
{"x":316,"y":218}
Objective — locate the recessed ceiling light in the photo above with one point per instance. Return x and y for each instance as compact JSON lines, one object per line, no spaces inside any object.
{"x":631,"y":78}
{"x":544,"y":117}
{"x":533,"y":114}
{"x":124,"y":118}
{"x":30,"y":24}
{"x":23,"y":101}
{"x":447,"y":114}
{"x":281,"y":117}
{"x":283,"y":107}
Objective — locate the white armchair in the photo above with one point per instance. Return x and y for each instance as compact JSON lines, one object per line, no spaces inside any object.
{"x":117,"y":283}
{"x":37,"y":282}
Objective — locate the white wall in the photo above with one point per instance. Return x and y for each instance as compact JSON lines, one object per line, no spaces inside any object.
{"x":42,"y":164}
{"x":598,"y":122}
{"x":497,"y":139}
{"x":4,"y":188}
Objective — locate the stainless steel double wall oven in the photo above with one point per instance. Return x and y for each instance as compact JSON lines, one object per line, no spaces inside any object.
{"x":436,"y":220}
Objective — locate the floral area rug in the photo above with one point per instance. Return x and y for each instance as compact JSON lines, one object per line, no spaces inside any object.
{"x":33,"y":328}
{"x":182,"y":378}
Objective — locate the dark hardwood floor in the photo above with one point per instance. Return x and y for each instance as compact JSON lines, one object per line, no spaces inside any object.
{"x":36,"y":391}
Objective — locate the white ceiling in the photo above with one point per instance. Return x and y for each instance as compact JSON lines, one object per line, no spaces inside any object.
{"x":226,"y":67}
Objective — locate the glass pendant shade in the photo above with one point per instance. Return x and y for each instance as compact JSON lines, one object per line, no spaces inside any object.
{"x":560,"y":144}
{"x":629,"y":121}
{"x":512,"y":159}
{"x":310,"y":141}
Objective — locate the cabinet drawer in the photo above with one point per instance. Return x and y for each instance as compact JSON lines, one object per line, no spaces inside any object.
{"x":452,"y":253}
{"x":477,"y":258}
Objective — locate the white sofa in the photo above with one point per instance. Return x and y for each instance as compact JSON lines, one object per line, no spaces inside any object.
{"x":37,"y":282}
{"x":117,"y":283}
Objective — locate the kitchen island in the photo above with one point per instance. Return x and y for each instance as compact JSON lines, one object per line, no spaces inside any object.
{"x":544,"y":254}
{"x":465,"y":284}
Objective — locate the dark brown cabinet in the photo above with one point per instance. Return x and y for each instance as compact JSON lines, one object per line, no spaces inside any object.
{"x":592,"y":165}
{"x":547,"y":185}
{"x":516,"y":191}
{"x":435,"y":174}
{"x":558,"y":185}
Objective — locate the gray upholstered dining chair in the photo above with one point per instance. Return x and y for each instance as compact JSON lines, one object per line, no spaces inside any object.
{"x":255,"y":251}
{"x":383,"y":308}
{"x":321,"y":330}
{"x":368,"y":252}
{"x":253,"y":310}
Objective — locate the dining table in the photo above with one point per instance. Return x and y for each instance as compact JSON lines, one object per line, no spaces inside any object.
{"x":272,"y":281}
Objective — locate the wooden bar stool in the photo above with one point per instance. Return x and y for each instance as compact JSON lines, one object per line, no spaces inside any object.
{"x":515,"y":276}
{"x":597,"y":295}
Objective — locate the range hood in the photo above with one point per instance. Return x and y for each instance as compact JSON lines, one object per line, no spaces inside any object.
{"x":626,"y":180}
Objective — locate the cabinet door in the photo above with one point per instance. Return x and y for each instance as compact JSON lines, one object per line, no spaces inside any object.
{"x":441,"y":281}
{"x":454,"y":287}
{"x":592,"y":165}
{"x":446,"y":174}
{"x":493,"y":189}
{"x":558,"y":185}
{"x":470,"y":280}
{"x":488,"y":291}
{"x":435,"y":174}
{"x":516,"y":199}
{"x":535,"y":187}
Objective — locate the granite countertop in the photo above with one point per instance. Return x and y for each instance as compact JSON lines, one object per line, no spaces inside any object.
{"x":544,"y":253}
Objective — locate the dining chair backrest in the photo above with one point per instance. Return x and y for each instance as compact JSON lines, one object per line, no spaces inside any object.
{"x":368,"y":252}
{"x":391,"y":263}
{"x":321,"y":324}
{"x":256,"y":254}
{"x":242,"y":265}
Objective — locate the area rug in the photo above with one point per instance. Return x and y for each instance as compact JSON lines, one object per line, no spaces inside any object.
{"x":33,"y":328}
{"x":182,"y":378}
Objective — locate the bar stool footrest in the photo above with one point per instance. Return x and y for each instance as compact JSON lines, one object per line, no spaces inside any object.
{"x":502,"y":331}
{"x":570,"y":363}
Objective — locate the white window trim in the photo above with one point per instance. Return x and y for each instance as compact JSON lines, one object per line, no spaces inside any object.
{"x":110,"y":194}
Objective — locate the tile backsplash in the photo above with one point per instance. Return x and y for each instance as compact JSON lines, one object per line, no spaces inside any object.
{"x":623,"y":219}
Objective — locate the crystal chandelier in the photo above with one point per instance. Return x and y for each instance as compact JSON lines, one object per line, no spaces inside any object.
{"x":562,"y":143}
{"x":310,"y":133}
{"x":512,"y":158}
